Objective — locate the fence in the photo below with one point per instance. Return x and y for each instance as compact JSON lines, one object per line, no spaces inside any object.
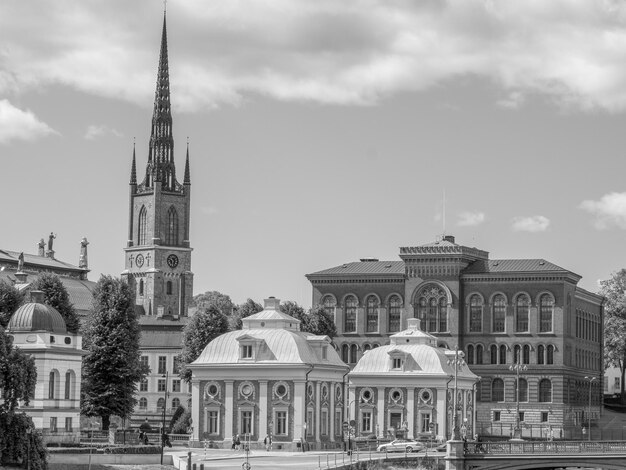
{"x":553,"y":447}
{"x":547,"y":432}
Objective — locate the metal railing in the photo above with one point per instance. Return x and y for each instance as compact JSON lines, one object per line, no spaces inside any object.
{"x":543,"y":447}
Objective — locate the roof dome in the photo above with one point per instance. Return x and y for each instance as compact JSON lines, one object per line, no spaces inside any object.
{"x":36,"y":316}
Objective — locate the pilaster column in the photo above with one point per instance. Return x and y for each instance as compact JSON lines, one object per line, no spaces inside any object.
{"x":339,"y":320}
{"x":331,"y":411}
{"x":442,"y":414}
{"x":196,"y":409}
{"x":318,"y":409}
{"x":351,"y":402}
{"x":380,"y":411}
{"x":228,"y":410}
{"x":410,"y":410}
{"x":360,"y":321}
{"x":383,"y":321}
{"x":262,"y":410}
{"x":299,"y":410}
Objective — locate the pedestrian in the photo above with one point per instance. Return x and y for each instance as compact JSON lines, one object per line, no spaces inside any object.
{"x":234,"y":446}
{"x":237,"y":443}
{"x":268,"y":443}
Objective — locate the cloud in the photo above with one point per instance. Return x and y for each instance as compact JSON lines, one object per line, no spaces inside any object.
{"x":609,"y":211}
{"x":95,"y":131}
{"x":357,"y":53}
{"x":535,"y":223}
{"x":470,"y":219}
{"x":16,"y":124}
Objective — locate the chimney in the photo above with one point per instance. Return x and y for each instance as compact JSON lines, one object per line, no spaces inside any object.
{"x":272,"y":303}
{"x":37,"y":296}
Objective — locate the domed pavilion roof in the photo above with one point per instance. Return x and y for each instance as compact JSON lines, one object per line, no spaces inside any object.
{"x":37,"y":316}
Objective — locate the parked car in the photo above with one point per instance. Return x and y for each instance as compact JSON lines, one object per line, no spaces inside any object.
{"x":401,"y":445}
{"x":366,"y":441}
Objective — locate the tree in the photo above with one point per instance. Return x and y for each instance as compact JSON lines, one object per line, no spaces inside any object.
{"x":315,"y":321}
{"x":204,"y":326}
{"x":249,"y":307}
{"x":177,"y":414}
{"x":18,"y":377}
{"x":55,"y":295}
{"x":112,"y":367}
{"x":10,"y":299}
{"x":614,"y":290}
{"x":181,"y":426}
{"x":221,"y":301}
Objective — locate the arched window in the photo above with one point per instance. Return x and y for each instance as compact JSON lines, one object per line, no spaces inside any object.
{"x":349,"y":324}
{"x":142,"y":226}
{"x":168,"y":288}
{"x":479,"y":354}
{"x":470,"y":354}
{"x":476,"y":314}
{"x":366,"y":347}
{"x":140,"y":286}
{"x":522,"y":307}
{"x":494,"y":354}
{"x":171,"y":237}
{"x":546,"y":307}
{"x":51,"y":385}
{"x":497,"y":390}
{"x":68,"y":385}
{"x":499,"y":314}
{"x":502,"y":354}
{"x":550,"y":354}
{"x":353,"y":354}
{"x":143,"y":403}
{"x":160,"y":403}
{"x":175,"y":403}
{"x":526,"y":354}
{"x":329,"y":304}
{"x":395,"y":309}
{"x":523,"y":390}
{"x":345,"y":353}
{"x":540,"y":354}
{"x":545,"y":390}
{"x":371,"y":314}
{"x":432,"y":308}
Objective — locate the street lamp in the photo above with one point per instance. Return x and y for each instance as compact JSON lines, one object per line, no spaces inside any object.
{"x":163,"y":422}
{"x":590,"y":378}
{"x":457,"y":362}
{"x":517,"y":368}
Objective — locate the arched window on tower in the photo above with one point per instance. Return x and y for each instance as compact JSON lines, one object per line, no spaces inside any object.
{"x":432,"y":308}
{"x":353,"y":354}
{"x":142,"y":226}
{"x":550,"y":354}
{"x":329,"y":304}
{"x":540,"y":354}
{"x":502,"y":354}
{"x":522,"y":308}
{"x":168,"y":288}
{"x":526,"y":354}
{"x":546,"y":307}
{"x":140,"y":286}
{"x":494,"y":354}
{"x":172,"y":227}
{"x":51,"y":385}
{"x":479,"y":354}
{"x":345,"y":353}
{"x":499,"y":314}
{"x":475,"y":314}
{"x":395,"y":308}
{"x":371,"y":319}
{"x":349,"y":324}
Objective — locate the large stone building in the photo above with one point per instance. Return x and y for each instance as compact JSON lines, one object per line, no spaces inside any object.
{"x":158,"y":256}
{"x":498,"y":311}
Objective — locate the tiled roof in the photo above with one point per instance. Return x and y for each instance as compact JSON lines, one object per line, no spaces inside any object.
{"x":364,"y":267}
{"x":512,"y":265}
{"x":160,"y":339}
{"x":36,"y":260}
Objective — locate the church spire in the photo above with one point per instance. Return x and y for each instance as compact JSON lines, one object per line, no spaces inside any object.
{"x":133,"y":168}
{"x":161,"y":155}
{"x":187,"y":179}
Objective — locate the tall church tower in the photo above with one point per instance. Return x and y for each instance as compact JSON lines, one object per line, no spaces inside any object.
{"x":158,"y":255}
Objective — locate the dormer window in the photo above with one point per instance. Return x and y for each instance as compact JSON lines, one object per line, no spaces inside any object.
{"x":396,"y":363}
{"x":324,"y":352}
{"x":246,"y":351}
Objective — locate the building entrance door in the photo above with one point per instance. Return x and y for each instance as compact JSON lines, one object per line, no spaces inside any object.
{"x":395,"y":422}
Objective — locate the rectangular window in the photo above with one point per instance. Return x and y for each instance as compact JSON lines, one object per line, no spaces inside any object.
{"x":246,"y":422}
{"x":212,"y":422}
{"x":143,"y":385}
{"x":324,"y":352}
{"x":618,"y":384}
{"x":324,"y":423}
{"x":161,"y":385}
{"x":176,"y":368}
{"x":162,"y":364}
{"x":544,"y":416}
{"x":338,"y":422}
{"x":144,"y":361}
{"x":68,"y":424}
{"x":310,"y":423}
{"x":496,"y":415}
{"x":425,"y":422}
{"x":246,"y":351}
{"x":281,"y":423}
{"x":176,"y":385}
{"x":521,"y":416}
{"x":366,"y":421}
{"x":53,"y":424}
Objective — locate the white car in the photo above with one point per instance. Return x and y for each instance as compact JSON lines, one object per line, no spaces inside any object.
{"x":401,"y":445}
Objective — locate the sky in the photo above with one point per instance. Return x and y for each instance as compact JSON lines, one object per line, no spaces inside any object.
{"x":321,"y":132}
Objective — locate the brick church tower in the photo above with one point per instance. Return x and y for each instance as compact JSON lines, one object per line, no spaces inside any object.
{"x":158,"y":255}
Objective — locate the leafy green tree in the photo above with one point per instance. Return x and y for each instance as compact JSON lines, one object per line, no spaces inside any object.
{"x":249,"y":307}
{"x":315,"y":321}
{"x":177,"y":414}
{"x":112,"y":367}
{"x":55,"y":295}
{"x":10,"y":299}
{"x":221,"y":301}
{"x":204,"y":326}
{"x":181,"y":426}
{"x":18,"y":377}
{"x":614,"y":290}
